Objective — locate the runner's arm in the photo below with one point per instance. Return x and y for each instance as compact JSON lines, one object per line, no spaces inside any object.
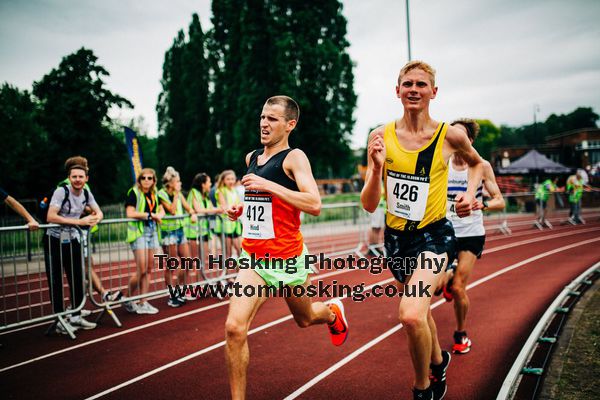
{"x":459,"y":142}
{"x":496,"y":203}
{"x":307,"y":199}
{"x":371,"y":192}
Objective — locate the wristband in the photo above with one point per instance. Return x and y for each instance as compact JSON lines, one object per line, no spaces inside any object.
{"x":485,"y":204}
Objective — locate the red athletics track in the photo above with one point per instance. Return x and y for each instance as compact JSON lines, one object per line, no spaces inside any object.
{"x":283,"y":357}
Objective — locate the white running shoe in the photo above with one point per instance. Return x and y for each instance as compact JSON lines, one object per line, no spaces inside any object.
{"x":79,"y":321}
{"x":146,"y":308}
{"x":60,"y":329}
{"x":131,"y":307}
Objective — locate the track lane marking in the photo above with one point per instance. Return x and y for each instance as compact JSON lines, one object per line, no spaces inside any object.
{"x":223,"y":303}
{"x":396,"y":328}
{"x":347,"y":358}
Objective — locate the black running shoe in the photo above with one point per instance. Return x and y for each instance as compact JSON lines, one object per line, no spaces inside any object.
{"x":426,"y":394}
{"x":438,"y":376}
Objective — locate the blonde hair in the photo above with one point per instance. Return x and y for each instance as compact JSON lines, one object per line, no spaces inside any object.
{"x":169,"y":174}
{"x":222,"y":176}
{"x":416,"y":64}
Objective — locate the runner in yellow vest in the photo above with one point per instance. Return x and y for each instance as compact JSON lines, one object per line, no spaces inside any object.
{"x":410,"y":155}
{"x":173,"y":238}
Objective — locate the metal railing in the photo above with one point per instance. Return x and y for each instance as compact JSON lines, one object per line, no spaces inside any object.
{"x":531,"y":362}
{"x":32,"y":286}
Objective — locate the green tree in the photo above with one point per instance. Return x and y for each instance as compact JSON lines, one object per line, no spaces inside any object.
{"x":201,"y":150}
{"x":318,"y":72}
{"x":224,"y":42}
{"x":171,"y":110}
{"x":488,"y":135}
{"x":582,"y":117}
{"x":24,"y":143}
{"x":74,"y":113}
{"x":262,"y":48}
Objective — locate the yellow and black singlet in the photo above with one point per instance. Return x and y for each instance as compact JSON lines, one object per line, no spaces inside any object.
{"x":416,"y":181}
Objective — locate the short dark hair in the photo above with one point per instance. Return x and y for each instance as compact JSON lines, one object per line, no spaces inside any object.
{"x":291,"y":109}
{"x":470,"y":125}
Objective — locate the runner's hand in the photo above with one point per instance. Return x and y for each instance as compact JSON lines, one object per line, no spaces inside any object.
{"x":464,"y":202}
{"x":255,"y":182}
{"x":376,"y":150}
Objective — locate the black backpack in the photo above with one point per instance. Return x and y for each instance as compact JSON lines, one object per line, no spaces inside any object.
{"x":42,"y":212}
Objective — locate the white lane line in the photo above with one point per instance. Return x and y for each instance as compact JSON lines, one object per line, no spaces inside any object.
{"x":396,"y":328}
{"x":208,"y":349}
{"x":498,"y":248}
{"x":137,"y":328}
{"x":174,"y":317}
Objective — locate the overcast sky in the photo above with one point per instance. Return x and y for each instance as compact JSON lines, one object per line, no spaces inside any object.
{"x":495,"y":59}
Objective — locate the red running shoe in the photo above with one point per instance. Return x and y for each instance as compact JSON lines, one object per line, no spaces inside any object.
{"x":338,"y":329}
{"x":462,"y":344}
{"x":447,"y":292}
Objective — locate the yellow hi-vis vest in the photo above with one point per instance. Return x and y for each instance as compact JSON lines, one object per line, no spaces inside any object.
{"x":168,"y":225}
{"x":135,"y":229}
{"x":194,"y":230}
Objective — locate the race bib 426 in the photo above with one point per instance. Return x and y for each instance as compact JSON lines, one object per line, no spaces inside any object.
{"x":407,"y":195}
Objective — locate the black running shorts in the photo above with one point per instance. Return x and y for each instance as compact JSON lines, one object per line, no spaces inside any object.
{"x":401,"y":246}
{"x":474,"y":244}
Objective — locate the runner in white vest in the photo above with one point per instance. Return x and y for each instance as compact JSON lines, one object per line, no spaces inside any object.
{"x":470,"y":233}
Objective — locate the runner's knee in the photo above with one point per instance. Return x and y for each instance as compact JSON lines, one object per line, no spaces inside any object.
{"x":235,"y":330}
{"x":412,"y":319}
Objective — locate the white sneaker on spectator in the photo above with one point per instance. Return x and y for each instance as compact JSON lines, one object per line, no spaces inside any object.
{"x":84,"y":312}
{"x":131,"y":307}
{"x":79,"y":321}
{"x":60,"y":329}
{"x":109,"y":296}
{"x":146,"y":308}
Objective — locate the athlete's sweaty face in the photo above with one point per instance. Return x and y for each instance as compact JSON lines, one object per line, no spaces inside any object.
{"x":416,"y":90}
{"x":273,"y":125}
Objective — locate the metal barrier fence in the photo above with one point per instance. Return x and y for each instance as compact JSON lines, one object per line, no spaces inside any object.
{"x":111,"y":265}
{"x":32,"y":286}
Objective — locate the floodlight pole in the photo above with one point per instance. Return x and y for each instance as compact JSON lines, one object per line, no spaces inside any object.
{"x":408,"y":30}
{"x":536,"y":109}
